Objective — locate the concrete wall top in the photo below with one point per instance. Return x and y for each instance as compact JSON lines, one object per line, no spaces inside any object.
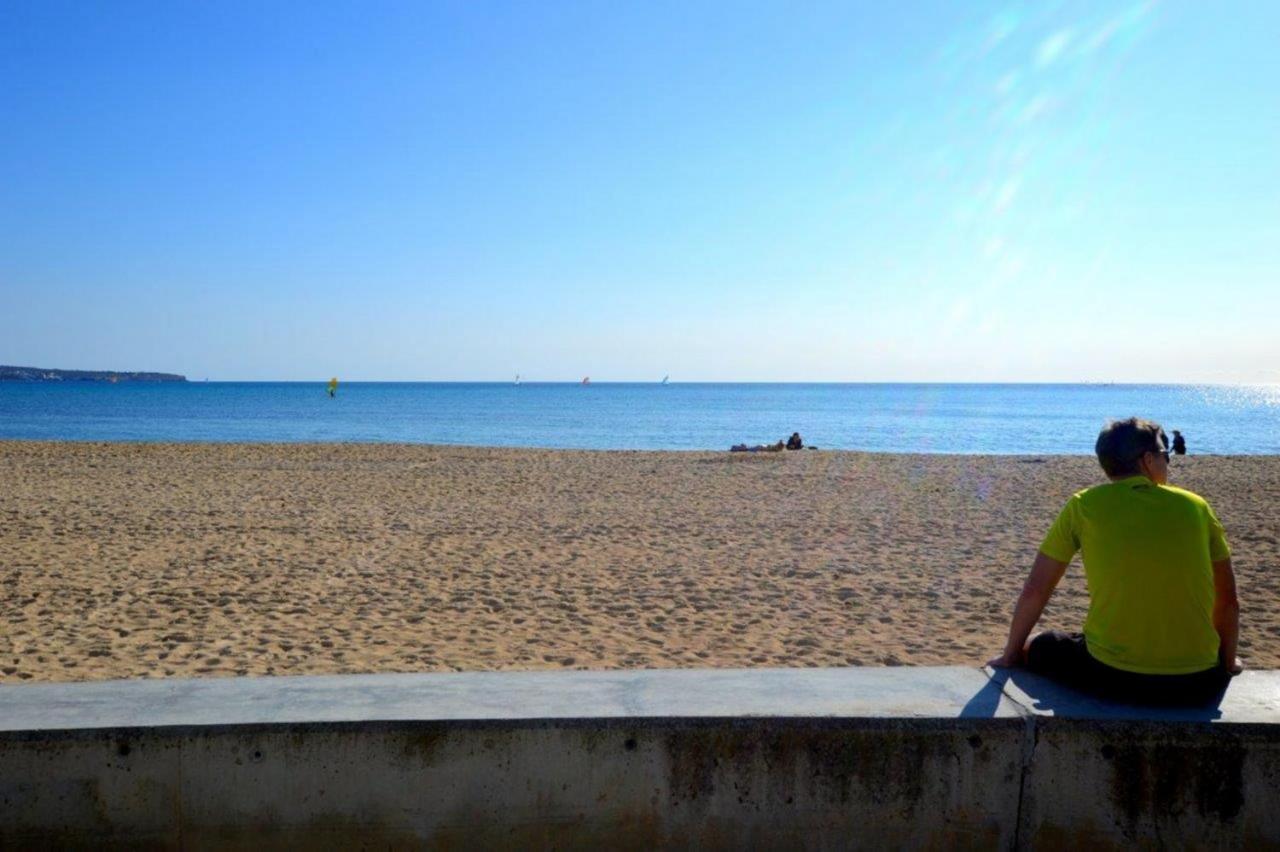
{"x":476,"y":696}
{"x":867,"y":693}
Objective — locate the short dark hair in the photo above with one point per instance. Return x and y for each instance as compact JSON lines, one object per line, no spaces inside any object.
{"x":1121,"y":444}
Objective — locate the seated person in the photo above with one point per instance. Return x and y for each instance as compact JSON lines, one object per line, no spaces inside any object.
{"x":1163,"y":616}
{"x":794,"y":442}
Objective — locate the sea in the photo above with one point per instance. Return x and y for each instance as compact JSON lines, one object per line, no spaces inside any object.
{"x":1030,"y":419}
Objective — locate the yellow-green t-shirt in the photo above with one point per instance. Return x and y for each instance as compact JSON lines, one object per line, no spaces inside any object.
{"x":1148,"y":553}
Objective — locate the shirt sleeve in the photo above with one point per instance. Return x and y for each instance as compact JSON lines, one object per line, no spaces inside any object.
{"x":1063,"y":539}
{"x":1218,"y":548}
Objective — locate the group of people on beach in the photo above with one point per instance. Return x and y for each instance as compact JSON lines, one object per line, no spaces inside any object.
{"x":795,"y":442}
{"x":1164,"y":616}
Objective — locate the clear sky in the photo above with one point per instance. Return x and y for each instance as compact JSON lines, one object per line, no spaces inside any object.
{"x":931,"y":191}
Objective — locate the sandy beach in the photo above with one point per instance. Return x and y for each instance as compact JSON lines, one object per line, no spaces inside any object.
{"x":155,"y":560}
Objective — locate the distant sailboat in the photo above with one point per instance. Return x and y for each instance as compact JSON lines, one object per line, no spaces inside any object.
{"x":586,"y":380}
{"x":666,"y":379}
{"x":517,"y":378}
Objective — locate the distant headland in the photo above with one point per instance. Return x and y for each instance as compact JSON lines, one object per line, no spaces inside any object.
{"x":39,"y":374}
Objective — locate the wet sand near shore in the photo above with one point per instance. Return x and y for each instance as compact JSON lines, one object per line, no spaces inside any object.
{"x":155,"y":560}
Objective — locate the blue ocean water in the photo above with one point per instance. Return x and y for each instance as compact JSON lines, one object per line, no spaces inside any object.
{"x":921,"y":418}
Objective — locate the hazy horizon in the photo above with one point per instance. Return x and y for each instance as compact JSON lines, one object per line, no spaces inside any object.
{"x":535,"y":380}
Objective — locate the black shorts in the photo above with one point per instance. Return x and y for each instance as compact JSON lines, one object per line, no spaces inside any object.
{"x":1064,"y":657}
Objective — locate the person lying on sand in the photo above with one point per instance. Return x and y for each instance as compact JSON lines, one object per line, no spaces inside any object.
{"x":1163,"y":617}
{"x":758,"y":448}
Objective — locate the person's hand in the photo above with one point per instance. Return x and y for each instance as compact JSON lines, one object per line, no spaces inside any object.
{"x":1004,"y":661}
{"x":1235,"y":667}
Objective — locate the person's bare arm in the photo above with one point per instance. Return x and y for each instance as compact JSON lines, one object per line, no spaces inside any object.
{"x":1226,"y":615}
{"x":1045,"y":574}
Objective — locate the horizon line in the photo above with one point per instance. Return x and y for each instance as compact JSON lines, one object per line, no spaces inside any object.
{"x":930,"y":382}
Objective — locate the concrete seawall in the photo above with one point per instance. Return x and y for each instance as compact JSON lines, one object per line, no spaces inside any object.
{"x":811,"y":758}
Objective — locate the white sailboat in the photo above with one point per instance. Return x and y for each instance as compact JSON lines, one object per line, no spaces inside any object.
{"x":517,"y":381}
{"x":666,"y":378}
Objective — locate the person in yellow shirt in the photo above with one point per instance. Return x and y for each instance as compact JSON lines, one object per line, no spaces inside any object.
{"x":1163,"y":618}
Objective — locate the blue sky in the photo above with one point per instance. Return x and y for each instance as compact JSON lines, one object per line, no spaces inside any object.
{"x":935,"y":191}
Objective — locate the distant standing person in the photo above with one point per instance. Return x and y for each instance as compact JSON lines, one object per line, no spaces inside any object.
{"x":1179,"y":444}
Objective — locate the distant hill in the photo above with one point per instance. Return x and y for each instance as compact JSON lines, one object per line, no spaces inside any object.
{"x":40,"y":374}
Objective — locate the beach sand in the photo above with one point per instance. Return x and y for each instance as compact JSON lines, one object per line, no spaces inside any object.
{"x":147,"y":560}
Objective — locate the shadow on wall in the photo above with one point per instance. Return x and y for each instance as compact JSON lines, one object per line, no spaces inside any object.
{"x":986,"y":701}
{"x":1042,"y":695}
